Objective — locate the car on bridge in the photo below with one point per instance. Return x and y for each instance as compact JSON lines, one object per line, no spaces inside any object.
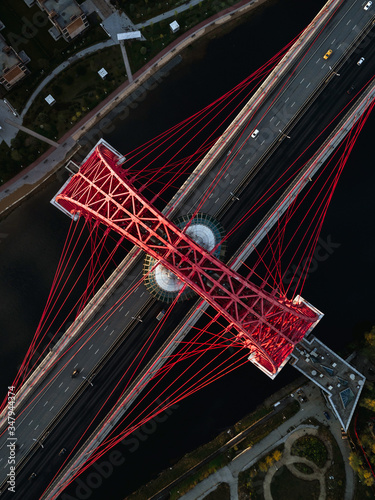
{"x":367,"y":6}
{"x":328,"y":54}
{"x":349,"y":91}
{"x":360,"y":61}
{"x":255,"y":133}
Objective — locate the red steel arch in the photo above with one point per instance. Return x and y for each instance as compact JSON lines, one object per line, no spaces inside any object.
{"x":268,"y":325}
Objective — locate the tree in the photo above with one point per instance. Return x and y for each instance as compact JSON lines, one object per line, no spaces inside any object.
{"x":368,"y":403}
{"x":277,"y":454}
{"x":263,"y":466}
{"x":370,"y":338}
{"x":367,"y":478}
{"x":355,"y":462}
{"x":15,"y":155}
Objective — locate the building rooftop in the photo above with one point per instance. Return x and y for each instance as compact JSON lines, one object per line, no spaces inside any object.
{"x":129,"y":35}
{"x":340,"y":381}
{"x":12,"y":67}
{"x":50,"y":100}
{"x":66,"y":10}
{"x":8,"y":57}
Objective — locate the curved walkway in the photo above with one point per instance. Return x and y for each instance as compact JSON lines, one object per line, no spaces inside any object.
{"x":288,"y":460}
{"x":314,"y":407}
{"x":113,"y":25}
{"x":21,"y":185}
{"x":64,"y":65}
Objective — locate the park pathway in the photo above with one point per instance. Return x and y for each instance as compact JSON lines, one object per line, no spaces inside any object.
{"x":314,"y":407}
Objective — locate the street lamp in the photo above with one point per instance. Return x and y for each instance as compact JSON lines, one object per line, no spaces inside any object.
{"x":283,"y":134}
{"x":89,"y":381}
{"x":333,"y":71}
{"x":138,"y":318}
{"x":37,"y":440}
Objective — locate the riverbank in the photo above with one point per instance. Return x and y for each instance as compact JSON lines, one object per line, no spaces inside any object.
{"x":280,"y":420}
{"x":32,"y":178}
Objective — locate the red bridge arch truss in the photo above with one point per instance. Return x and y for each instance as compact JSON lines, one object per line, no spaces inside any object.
{"x":269,"y":326}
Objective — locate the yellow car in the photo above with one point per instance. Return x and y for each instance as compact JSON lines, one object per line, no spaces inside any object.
{"x":327,"y":54}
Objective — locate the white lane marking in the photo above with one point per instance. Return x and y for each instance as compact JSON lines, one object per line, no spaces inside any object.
{"x":66,"y":389}
{"x":247,"y":161}
{"x":287,"y":99}
{"x":31,"y":422}
{"x":262,"y":142}
{"x":127,"y":313}
{"x":349,"y":22}
{"x":241,"y":157}
{"x":323,"y":65}
{"x":111,"y":332}
{"x":121,"y":308}
{"x":46,"y":403}
{"x":217,"y":199}
{"x":317,"y":61}
{"x":91,"y":346}
{"x":36,"y":427}
{"x":308,"y":85}
{"x":61,"y":384}
{"x":339,"y":46}
{"x":96,"y":352}
{"x":22,"y":445}
{"x":292,"y":104}
{"x":231,"y":181}
{"x":106,"y":326}
{"x":75,"y":366}
{"x":142,"y":294}
{"x":333,"y":41}
{"x":354,"y":27}
{"x":277,"y":123}
{"x":211,"y":195}
{"x":52,"y":407}
{"x":301,"y":81}
{"x":272,"y":118}
{"x":226,"y":175}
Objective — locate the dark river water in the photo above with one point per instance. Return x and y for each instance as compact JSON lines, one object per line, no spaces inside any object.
{"x":341,"y":286}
